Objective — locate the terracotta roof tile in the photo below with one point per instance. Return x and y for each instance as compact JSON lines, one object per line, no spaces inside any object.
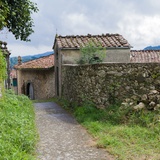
{"x":107,"y":40}
{"x":40,"y":63}
{"x":145,"y":56}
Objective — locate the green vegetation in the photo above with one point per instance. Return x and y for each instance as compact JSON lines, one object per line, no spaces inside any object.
{"x":2,"y":67}
{"x":2,"y":72}
{"x":15,"y":15}
{"x":18,"y":134}
{"x":154,"y":76}
{"x":92,"y":53}
{"x":125,"y":133}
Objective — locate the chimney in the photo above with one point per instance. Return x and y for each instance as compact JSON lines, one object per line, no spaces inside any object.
{"x":19,"y":60}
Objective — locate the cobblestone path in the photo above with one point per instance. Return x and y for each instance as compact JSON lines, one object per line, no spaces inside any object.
{"x":62,"y":138}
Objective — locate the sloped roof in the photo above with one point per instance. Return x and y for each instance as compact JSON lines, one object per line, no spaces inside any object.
{"x":40,"y":63}
{"x":145,"y":56}
{"x":106,"y":40}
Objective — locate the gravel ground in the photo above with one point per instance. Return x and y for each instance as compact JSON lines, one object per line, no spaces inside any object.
{"x":62,"y":138}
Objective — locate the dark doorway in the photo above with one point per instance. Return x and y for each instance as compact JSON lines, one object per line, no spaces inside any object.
{"x":30,"y":91}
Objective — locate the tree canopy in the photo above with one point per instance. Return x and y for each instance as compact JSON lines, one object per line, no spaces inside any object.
{"x":16,"y":16}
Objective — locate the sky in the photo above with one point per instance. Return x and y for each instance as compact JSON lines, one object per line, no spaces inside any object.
{"x":138,"y":21}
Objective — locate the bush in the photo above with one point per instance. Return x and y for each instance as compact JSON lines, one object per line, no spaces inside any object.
{"x":92,"y":53}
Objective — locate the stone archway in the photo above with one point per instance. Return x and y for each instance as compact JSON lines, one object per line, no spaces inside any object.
{"x":30,"y":90}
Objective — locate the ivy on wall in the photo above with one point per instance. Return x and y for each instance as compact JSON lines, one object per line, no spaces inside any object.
{"x":2,"y":72}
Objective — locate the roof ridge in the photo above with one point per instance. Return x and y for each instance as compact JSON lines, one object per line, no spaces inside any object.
{"x":145,"y":50}
{"x":37,"y":58}
{"x":89,"y":35}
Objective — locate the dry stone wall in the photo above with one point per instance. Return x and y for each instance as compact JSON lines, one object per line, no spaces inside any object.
{"x":104,"y":84}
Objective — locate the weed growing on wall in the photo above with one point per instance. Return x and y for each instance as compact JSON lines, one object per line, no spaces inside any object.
{"x":92,"y":53}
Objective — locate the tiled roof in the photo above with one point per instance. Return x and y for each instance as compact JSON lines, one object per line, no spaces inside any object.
{"x":40,"y":63}
{"x":145,"y":56}
{"x":106,"y":40}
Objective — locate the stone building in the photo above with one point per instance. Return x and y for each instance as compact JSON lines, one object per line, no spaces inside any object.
{"x":36,"y":78}
{"x":67,"y":51}
{"x":6,"y":53}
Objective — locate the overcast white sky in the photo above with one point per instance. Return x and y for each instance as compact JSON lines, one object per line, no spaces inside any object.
{"x":136,"y":20}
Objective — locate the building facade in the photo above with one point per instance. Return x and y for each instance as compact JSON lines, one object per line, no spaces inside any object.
{"x":67,"y":51}
{"x":36,"y":78}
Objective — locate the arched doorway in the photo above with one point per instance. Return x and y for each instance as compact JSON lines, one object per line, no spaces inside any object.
{"x":30,"y":90}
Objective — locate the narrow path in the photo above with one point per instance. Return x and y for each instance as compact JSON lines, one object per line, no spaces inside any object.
{"x":62,"y":138}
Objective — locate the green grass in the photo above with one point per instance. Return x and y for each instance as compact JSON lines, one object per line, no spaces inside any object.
{"x":125,"y":133}
{"x":18,"y":134}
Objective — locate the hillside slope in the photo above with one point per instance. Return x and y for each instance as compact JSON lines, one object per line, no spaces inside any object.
{"x":152,"y":48}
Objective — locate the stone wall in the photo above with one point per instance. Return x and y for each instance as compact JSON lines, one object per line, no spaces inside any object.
{"x":108,"y":83}
{"x":43,"y":82}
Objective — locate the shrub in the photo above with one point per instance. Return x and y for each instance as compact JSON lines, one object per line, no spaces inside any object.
{"x":92,"y":53}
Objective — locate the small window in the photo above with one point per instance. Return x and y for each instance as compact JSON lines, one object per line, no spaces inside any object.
{"x":14,"y":82}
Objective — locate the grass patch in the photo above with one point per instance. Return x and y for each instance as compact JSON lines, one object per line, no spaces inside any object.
{"x":125,"y":133}
{"x":18,"y":134}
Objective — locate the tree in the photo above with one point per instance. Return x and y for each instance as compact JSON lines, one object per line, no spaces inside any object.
{"x":16,"y":16}
{"x":92,"y":53}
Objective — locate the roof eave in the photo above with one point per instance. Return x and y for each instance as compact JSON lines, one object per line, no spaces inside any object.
{"x":76,"y":48}
{"x":17,"y":68}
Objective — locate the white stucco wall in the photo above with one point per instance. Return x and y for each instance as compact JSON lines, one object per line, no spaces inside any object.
{"x":112,"y":55}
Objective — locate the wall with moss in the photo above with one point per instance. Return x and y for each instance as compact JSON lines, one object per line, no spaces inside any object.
{"x":108,"y":83}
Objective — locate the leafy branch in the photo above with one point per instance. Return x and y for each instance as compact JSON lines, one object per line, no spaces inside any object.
{"x":92,"y":53}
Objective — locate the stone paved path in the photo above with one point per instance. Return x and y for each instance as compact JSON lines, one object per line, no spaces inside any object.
{"x":62,"y":138}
